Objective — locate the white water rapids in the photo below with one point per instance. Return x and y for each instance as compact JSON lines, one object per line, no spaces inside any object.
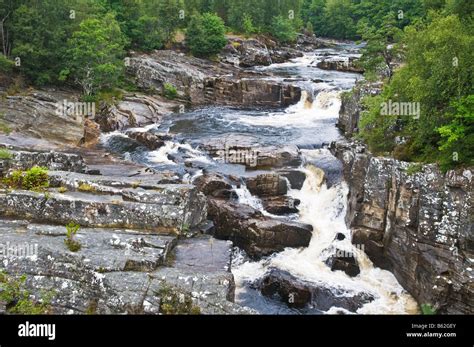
{"x":325,"y":209}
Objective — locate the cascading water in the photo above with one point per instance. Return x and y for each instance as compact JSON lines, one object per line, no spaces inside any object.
{"x":310,"y":124}
{"x":324,"y":208}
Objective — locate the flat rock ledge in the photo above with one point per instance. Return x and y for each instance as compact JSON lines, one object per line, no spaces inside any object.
{"x":119,"y":271}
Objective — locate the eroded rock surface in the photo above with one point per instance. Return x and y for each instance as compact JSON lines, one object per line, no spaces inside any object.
{"x":416,"y":224}
{"x":201,"y":82}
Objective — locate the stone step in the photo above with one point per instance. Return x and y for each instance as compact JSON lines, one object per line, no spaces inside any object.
{"x":119,"y":271}
{"x":72,"y":180}
{"x":25,"y":159}
{"x":102,"y":250}
{"x":169,"y":209}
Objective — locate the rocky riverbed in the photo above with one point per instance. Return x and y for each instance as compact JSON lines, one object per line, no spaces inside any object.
{"x":229,"y":197}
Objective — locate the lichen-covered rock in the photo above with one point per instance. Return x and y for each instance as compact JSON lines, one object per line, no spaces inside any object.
{"x":52,"y":160}
{"x":105,"y":183}
{"x":417,"y":224}
{"x":120,"y":271}
{"x":169,"y":209}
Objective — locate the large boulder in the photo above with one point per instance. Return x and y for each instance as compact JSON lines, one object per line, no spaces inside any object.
{"x":267,"y":185}
{"x":149,"y":140}
{"x":257,"y":235}
{"x":300,"y":293}
{"x":34,"y":114}
{"x":135,"y":110}
{"x":284,"y":54}
{"x":295,"y":177}
{"x":343,"y":261}
{"x":253,"y":53}
{"x":214,"y":185}
{"x":344,"y":65}
{"x":91,"y":134}
{"x":202,"y":82}
{"x":246,"y":150}
{"x":280,"y":205}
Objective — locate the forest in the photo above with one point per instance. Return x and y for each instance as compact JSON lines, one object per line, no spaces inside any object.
{"x":421,"y":49}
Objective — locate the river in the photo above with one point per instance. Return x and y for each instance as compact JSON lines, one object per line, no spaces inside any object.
{"x":311,"y":125}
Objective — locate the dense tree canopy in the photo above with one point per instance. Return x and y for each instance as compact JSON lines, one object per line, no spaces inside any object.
{"x":82,"y":42}
{"x":438,"y":75}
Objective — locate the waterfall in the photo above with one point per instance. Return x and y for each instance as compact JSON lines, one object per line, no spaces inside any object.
{"x":325,"y":209}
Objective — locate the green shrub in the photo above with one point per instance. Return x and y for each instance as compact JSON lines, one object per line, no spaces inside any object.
{"x":427,"y":309}
{"x":6,"y":65}
{"x":376,"y":129}
{"x":440,"y":82}
{"x":5,"y":154}
{"x":35,"y":179}
{"x":205,"y":35}
{"x":169,"y":91}
{"x":18,"y":299}
{"x":71,"y":230}
{"x":249,"y":28}
{"x":457,"y":137}
{"x":283,"y":29}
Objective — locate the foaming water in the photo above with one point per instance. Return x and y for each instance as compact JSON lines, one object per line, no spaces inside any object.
{"x":303,"y":114}
{"x":325,"y":208}
{"x":246,"y":198}
{"x":162,"y":155}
